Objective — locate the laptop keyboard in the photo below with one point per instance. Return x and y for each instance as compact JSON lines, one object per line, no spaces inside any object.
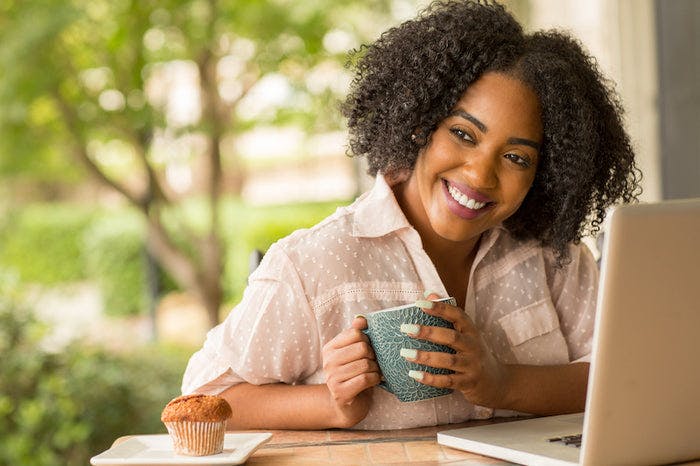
{"x":573,"y":440}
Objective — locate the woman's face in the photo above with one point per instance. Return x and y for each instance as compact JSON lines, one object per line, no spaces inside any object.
{"x":479,"y":162}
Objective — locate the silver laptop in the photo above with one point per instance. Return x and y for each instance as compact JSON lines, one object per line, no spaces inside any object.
{"x":643,"y":403}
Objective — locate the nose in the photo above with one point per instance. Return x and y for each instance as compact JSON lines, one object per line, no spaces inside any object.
{"x":482,"y":170}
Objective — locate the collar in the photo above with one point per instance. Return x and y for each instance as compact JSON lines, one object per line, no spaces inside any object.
{"x":377,"y":212}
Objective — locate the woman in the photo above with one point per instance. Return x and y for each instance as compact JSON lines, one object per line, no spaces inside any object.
{"x":493,"y":152}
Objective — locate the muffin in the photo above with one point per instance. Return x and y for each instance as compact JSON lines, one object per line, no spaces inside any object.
{"x":196,"y":424}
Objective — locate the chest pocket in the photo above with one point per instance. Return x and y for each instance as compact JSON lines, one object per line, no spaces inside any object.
{"x":534,"y":335}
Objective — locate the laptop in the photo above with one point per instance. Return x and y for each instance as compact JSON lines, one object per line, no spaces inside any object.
{"x":643,"y":403}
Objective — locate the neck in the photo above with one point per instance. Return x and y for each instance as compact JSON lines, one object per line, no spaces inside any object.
{"x":444,"y":253}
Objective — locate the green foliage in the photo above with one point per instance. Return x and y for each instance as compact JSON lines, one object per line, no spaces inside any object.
{"x":63,"y":408}
{"x":43,"y":243}
{"x":100,"y":82}
{"x":50,"y":244}
{"x":97,"y":46}
{"x":113,"y":254}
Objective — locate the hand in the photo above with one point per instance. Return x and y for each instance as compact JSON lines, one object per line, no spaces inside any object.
{"x":477,"y":373}
{"x":351,"y":370}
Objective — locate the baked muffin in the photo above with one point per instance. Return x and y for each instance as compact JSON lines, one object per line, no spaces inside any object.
{"x":196,"y":424}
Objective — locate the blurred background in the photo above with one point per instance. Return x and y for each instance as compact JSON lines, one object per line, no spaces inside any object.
{"x":149,"y":148}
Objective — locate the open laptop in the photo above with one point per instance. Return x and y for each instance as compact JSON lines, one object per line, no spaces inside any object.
{"x":643,"y":403}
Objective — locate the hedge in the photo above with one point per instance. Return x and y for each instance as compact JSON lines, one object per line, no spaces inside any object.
{"x":51,"y":244}
{"x":63,"y":408}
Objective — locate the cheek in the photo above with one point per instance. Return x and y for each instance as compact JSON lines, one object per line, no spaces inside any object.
{"x":519,"y":187}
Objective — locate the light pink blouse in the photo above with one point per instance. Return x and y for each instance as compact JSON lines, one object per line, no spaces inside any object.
{"x":367,"y":257}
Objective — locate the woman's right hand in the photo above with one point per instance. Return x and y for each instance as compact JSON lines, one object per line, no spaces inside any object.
{"x":351,"y":371}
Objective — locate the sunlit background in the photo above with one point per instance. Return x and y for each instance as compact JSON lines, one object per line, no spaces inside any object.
{"x":148,"y":149}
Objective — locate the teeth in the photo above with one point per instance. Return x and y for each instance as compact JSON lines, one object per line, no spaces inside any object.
{"x":462,"y":198}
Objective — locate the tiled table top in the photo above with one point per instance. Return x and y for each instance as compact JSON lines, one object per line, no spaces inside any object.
{"x":344,"y":447}
{"x":348,"y":447}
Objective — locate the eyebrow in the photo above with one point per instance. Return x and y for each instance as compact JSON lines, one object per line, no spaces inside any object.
{"x":472,"y":118}
{"x":524,"y":142}
{"x":484,"y":129}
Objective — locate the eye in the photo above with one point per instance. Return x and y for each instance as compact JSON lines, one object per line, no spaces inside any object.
{"x":519,"y":160}
{"x":462,"y":134}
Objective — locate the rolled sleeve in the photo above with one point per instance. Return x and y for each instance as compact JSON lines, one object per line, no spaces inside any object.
{"x":270,"y":337}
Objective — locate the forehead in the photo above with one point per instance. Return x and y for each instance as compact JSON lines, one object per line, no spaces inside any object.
{"x":499,"y":100}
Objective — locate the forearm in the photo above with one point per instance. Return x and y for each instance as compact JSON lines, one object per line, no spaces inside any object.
{"x":280,"y":406}
{"x":546,"y":390}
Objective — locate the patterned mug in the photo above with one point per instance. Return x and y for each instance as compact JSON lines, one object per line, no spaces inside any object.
{"x":383,"y":330}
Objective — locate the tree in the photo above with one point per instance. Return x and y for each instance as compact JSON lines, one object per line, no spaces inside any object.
{"x":90,"y":88}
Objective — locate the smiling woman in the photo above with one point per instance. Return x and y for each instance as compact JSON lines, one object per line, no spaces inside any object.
{"x":478,"y":165}
{"x":492,"y":150}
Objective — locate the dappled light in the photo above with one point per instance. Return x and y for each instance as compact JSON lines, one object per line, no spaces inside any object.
{"x":136,"y":138}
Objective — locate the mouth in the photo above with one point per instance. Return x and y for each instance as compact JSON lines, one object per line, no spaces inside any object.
{"x":471,"y":200}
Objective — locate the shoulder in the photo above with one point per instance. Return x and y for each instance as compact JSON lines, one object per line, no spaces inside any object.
{"x":504,"y":254}
{"x":303,"y":248}
{"x":336,"y":229}
{"x":499,"y":246}
{"x":504,"y":246}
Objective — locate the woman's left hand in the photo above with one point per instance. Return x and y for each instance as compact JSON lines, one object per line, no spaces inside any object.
{"x":477,"y":373}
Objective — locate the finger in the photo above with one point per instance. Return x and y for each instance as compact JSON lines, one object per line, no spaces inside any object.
{"x":349,"y":389}
{"x":458,"y":362}
{"x":354,"y":368}
{"x":341,"y":356}
{"x":359,"y":322}
{"x":439,"y":335}
{"x":450,"y":313}
{"x":346,"y":338}
{"x":434,"y":380}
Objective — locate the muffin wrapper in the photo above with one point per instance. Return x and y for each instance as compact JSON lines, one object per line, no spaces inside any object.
{"x":197,"y":438}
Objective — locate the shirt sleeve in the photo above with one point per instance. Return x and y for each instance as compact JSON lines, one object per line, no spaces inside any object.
{"x":574,"y":289}
{"x":269,"y":337}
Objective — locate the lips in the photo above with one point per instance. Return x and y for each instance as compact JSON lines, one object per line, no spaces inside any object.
{"x":464,"y":201}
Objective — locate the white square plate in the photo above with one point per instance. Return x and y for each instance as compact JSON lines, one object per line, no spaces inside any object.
{"x":158,"y":450}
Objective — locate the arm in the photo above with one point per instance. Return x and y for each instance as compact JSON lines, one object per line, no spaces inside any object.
{"x":281,"y":406}
{"x":485,"y":381}
{"x":343,"y":401}
{"x":546,"y":390}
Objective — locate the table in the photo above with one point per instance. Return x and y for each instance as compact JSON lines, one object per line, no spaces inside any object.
{"x":348,"y":447}
{"x":345,"y":447}
{"x":354,"y":447}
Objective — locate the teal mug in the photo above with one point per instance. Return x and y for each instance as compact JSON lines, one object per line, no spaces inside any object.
{"x":383,"y":330}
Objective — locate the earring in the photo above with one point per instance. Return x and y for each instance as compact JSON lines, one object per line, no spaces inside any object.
{"x":419,"y":136}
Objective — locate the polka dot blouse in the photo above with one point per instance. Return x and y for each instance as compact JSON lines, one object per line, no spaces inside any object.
{"x":367,"y":257}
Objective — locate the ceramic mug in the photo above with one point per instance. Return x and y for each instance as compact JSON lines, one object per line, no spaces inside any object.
{"x":383,"y":330}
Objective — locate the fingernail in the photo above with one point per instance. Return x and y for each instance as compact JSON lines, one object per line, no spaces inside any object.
{"x":411,"y":329}
{"x":359,"y":315}
{"x":408,"y":353}
{"x":424,"y":304}
{"x":427,"y":293}
{"x":418,"y":375}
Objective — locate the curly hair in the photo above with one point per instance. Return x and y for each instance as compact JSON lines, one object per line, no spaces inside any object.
{"x":410,"y":79}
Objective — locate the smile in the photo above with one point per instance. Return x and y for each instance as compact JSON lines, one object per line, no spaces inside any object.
{"x":463,"y":199}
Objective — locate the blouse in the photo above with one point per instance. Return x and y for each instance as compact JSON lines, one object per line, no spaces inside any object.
{"x":366,"y":257}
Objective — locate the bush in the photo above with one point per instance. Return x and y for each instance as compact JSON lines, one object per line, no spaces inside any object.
{"x":113,"y":253}
{"x":43,"y":243}
{"x":63,"y":408}
{"x":53,"y":244}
